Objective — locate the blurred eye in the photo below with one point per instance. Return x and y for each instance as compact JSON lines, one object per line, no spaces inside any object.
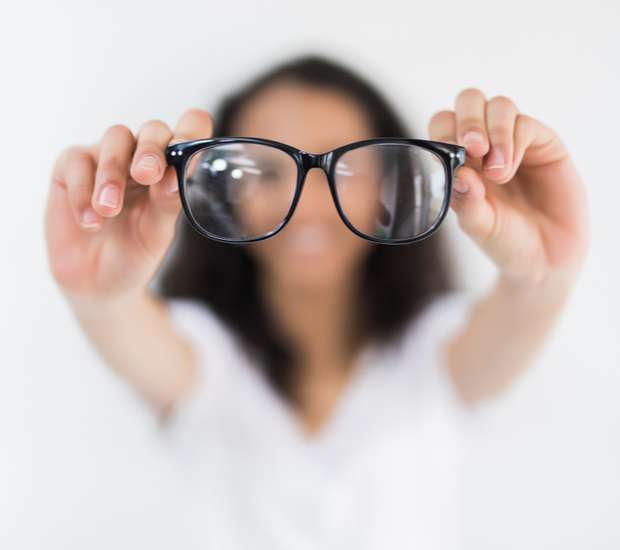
{"x":270,"y":174}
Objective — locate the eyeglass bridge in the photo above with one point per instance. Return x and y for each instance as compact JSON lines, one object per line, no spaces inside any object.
{"x":315,"y":160}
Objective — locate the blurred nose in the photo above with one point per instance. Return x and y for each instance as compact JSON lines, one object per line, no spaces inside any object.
{"x":315,"y":202}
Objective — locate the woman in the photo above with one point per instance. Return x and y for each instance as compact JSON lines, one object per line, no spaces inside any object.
{"x":316,"y":383}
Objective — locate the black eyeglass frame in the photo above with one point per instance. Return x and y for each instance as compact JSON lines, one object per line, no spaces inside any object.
{"x":451,"y":155}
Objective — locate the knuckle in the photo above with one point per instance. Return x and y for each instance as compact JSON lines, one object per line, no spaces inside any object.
{"x":73,"y":153}
{"x":496,"y":227}
{"x":527,"y":121}
{"x":471,"y":224}
{"x":499,"y":132}
{"x":110,"y":163}
{"x":471,"y":123}
{"x":79,"y":193}
{"x":148,"y":146}
{"x":72,"y":160}
{"x":110,"y":169}
{"x":57,"y":180}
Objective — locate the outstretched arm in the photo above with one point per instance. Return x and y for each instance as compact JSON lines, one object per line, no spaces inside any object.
{"x":521,"y":199}
{"x":110,"y":219}
{"x":505,"y":332}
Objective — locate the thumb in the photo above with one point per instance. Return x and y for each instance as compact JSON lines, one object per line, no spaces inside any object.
{"x":475,"y":213}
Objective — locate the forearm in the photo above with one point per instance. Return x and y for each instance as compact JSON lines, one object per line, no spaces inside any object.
{"x":505,"y":332}
{"x":135,"y":337}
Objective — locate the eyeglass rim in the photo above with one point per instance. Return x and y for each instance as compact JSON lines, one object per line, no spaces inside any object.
{"x":452,"y":156}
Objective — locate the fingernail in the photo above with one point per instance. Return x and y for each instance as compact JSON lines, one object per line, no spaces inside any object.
{"x":109,"y":196}
{"x":460,"y":186}
{"x":496,"y":159}
{"x":90,"y":218}
{"x":473,"y":137}
{"x":149,"y":162}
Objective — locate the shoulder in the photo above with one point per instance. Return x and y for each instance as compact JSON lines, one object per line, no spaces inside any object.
{"x":212,"y":339}
{"x":221,"y":361}
{"x":439,"y":319}
{"x":420,"y":349}
{"x":198,"y":318}
{"x":191,"y":315}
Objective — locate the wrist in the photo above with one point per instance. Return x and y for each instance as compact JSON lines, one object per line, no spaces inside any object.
{"x":548,"y":289}
{"x":99,"y":307}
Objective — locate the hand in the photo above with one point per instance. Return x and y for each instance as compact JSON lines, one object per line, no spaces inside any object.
{"x":103,"y":251}
{"x":523,"y":202}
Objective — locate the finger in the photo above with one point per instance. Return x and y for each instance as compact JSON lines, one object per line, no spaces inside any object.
{"x":115,"y":153}
{"x":535,"y":143}
{"x":164,"y":196}
{"x":501,"y":114}
{"x":474,"y":208}
{"x":158,"y":221}
{"x":469,"y":108}
{"x":149,"y":162}
{"x":193,"y":124}
{"x":75,"y":171}
{"x":442,"y":127}
{"x":540,"y":151}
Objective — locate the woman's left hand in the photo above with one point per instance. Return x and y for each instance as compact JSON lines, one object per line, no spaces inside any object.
{"x":524,"y":202}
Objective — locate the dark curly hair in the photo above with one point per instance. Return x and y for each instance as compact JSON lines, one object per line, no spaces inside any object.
{"x":397,"y":281}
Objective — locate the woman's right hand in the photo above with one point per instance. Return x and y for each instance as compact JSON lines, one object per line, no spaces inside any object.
{"x":105,"y":246}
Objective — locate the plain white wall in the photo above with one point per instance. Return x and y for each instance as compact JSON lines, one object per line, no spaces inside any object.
{"x":81,"y":465}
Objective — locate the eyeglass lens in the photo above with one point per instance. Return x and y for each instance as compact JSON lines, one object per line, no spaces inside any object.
{"x":241,"y":191}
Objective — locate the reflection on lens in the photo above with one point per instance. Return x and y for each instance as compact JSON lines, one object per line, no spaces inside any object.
{"x":240,"y":191}
{"x":391,"y":190}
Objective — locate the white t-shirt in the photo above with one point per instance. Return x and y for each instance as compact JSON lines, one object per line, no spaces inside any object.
{"x":384,"y":471}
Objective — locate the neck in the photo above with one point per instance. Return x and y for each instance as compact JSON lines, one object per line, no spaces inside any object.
{"x":318,"y":322}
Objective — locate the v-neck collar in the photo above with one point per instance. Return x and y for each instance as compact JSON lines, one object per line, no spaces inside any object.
{"x":339,"y":414}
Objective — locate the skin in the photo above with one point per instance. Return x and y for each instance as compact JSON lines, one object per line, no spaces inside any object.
{"x":311,"y":289}
{"x":529,"y":216}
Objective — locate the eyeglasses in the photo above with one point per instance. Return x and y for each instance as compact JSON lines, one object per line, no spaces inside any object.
{"x":245,"y":189}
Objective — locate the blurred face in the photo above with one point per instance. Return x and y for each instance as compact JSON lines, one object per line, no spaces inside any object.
{"x":315,"y":249}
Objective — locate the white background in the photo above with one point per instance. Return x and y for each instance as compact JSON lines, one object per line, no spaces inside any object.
{"x":80,"y":462}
